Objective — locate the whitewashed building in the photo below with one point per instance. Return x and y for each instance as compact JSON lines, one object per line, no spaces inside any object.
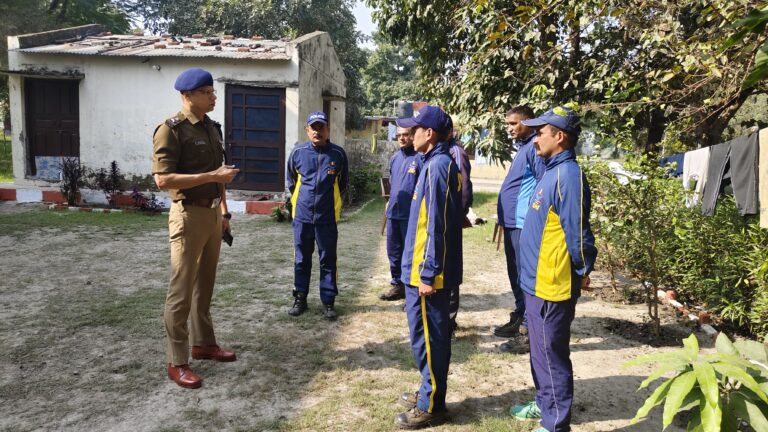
{"x":83,"y":92}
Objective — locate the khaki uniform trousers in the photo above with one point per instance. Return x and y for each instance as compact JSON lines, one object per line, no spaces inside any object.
{"x":195,"y":237}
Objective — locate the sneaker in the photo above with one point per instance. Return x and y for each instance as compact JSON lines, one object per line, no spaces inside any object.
{"x":409,"y":399}
{"x":516,"y":345}
{"x":529,"y":411}
{"x":330,"y":312}
{"x":415,"y":418}
{"x":511,"y":328}
{"x":396,"y":292}
{"x":299,"y":305}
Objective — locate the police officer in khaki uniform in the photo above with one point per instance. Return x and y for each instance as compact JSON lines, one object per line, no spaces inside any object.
{"x":189,"y":162}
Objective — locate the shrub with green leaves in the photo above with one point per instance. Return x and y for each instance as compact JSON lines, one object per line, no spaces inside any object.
{"x":722,"y":389}
{"x":644,"y":229}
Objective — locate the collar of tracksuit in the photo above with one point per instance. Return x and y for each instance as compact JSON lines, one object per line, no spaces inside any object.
{"x":559,"y":158}
{"x":442,"y":147}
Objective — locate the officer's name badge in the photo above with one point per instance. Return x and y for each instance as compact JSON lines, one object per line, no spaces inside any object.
{"x":200,"y":142}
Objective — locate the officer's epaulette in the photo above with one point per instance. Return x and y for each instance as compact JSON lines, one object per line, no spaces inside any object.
{"x":215,"y":123}
{"x":173,"y":122}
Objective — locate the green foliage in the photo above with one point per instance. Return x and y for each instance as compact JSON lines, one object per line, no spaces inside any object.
{"x":280,"y":214}
{"x":638,"y":69}
{"x":72,"y":179}
{"x":754,"y":23}
{"x":645,"y":228}
{"x":363,"y":182}
{"x":722,"y":389}
{"x":390,"y":76}
{"x":111,"y":182}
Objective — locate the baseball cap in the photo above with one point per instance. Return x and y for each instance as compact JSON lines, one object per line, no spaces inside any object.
{"x":431,"y":117}
{"x":561,"y":117}
{"x":192,"y":79}
{"x":317,"y":116}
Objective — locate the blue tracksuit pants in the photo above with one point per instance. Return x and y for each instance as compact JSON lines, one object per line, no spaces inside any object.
{"x":396,"y":230}
{"x":549,"y":330}
{"x":430,"y":327}
{"x":512,"y":251}
{"x":305,"y":235}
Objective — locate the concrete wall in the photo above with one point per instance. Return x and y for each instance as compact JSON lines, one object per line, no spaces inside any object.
{"x":123,"y":99}
{"x":320,"y":74}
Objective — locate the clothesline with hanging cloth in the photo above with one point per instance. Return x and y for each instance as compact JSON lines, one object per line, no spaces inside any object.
{"x":740,"y":164}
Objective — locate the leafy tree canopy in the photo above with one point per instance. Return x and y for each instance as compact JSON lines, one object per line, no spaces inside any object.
{"x":649,"y":75}
{"x":390,"y":76}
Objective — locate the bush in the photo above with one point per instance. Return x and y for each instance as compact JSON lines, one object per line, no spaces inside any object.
{"x":645,"y":229}
{"x":363,"y":181}
{"x":72,"y":179}
{"x":110,"y":182}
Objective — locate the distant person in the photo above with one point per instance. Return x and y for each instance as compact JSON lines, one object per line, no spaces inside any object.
{"x":404,"y":168}
{"x":557,"y":253}
{"x":514,"y":197}
{"x":316,"y":177}
{"x":431,"y":265}
{"x":188,"y":162}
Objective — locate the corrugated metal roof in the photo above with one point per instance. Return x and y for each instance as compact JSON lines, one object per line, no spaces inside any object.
{"x":144,"y":46}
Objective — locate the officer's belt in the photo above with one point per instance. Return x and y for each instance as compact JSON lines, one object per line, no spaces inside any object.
{"x":201,"y":202}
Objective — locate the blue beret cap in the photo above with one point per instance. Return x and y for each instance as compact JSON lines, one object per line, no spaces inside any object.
{"x":431,"y":117}
{"x":561,"y":117}
{"x":192,"y":79}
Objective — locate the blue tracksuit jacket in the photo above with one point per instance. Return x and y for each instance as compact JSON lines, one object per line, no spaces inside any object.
{"x":404,"y":169}
{"x":433,"y":244}
{"x":557,"y":247}
{"x":517,"y":188}
{"x":316,"y":177}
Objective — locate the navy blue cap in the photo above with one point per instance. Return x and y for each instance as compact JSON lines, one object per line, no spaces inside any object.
{"x":431,"y":117}
{"x":192,"y":79}
{"x":560,"y":117}
{"x":317,"y":116}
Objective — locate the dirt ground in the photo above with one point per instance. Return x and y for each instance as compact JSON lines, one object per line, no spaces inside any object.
{"x":81,"y":301}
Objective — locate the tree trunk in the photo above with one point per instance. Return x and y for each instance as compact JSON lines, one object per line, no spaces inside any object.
{"x":657,"y":124}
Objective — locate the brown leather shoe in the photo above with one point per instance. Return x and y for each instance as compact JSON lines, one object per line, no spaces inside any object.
{"x":212,"y":352}
{"x":409,"y":399}
{"x":184,"y":376}
{"x":396,"y":292}
{"x":415,"y":418}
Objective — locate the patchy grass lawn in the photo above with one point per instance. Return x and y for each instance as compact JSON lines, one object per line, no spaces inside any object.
{"x":6,"y":162}
{"x":81,"y":300}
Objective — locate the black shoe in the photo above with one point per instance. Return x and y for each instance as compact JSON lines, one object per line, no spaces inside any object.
{"x":396,"y":292}
{"x":330,"y":312}
{"x":409,"y":399}
{"x":415,"y":418}
{"x":517,"y":345}
{"x":510,"y":329}
{"x":299,"y":304}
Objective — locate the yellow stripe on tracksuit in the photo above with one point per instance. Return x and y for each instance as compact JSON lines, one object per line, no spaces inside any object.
{"x":429,"y":353}
{"x":295,"y":196}
{"x":337,"y":198}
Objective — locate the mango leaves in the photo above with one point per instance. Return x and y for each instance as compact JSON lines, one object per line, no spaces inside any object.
{"x":723,"y":388}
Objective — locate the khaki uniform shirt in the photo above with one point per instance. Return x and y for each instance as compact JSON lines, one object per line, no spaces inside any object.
{"x":185,"y":144}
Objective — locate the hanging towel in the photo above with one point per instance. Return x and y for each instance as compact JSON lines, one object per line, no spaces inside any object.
{"x":678,"y":160}
{"x":744,"y":173}
{"x":695,"y":167}
{"x":718,"y":159}
{"x":763,"y":180}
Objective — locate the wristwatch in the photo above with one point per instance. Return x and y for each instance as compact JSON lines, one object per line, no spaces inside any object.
{"x":227,"y":215}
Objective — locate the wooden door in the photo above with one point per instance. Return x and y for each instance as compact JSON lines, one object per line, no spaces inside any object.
{"x":53,"y":119}
{"x":255,"y":135}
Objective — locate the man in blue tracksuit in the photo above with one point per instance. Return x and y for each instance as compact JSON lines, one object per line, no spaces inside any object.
{"x":432,"y":264}
{"x":316,"y":176}
{"x":404,"y":168}
{"x":514,"y":196}
{"x":557,"y":253}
